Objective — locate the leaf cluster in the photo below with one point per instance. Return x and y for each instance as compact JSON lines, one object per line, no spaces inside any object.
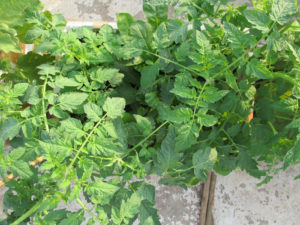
{"x":168,"y":96}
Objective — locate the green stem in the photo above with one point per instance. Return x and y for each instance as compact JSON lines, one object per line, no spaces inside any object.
{"x":83,"y":145}
{"x":230,"y":139}
{"x":43,"y":104}
{"x":28,"y":213}
{"x":145,"y":139}
{"x":171,"y":61}
{"x":88,"y":210}
{"x":286,"y":78}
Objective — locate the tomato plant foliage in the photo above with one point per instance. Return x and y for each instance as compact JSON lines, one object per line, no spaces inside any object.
{"x":105,"y":108}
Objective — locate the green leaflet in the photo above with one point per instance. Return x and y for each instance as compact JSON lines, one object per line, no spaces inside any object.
{"x":161,"y":37}
{"x":257,"y":69}
{"x":167,"y":159}
{"x":73,"y":126}
{"x":114,"y":107}
{"x":260,"y":20}
{"x":124,"y":21}
{"x":203,"y":160}
{"x":46,"y":69}
{"x":103,"y":146}
{"x":250,"y":165}
{"x":72,"y":100}
{"x":207,"y":120}
{"x":213,"y":95}
{"x":184,"y":92}
{"x":55,"y":216}
{"x":100,"y":191}
{"x":238,"y":40}
{"x":8,"y":41}
{"x":104,"y":74}
{"x":178,"y":115}
{"x":149,"y":75}
{"x":141,"y":30}
{"x":292,"y":156}
{"x":144,"y":124}
{"x":22,"y":169}
{"x":155,"y":11}
{"x":148,"y":214}
{"x":286,"y":105}
{"x":9,"y":129}
{"x":231,"y":81}
{"x":73,"y":218}
{"x":187,"y":136}
{"x":177,"y":31}
{"x":16,"y":153}
{"x":93,"y":112}
{"x":19,"y":89}
{"x":182,"y":52}
{"x":283,"y":10}
{"x":131,"y":207}
{"x":62,"y":82}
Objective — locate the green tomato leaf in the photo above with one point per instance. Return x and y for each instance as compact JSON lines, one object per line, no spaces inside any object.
{"x":104,"y":147}
{"x":101,"y":192}
{"x":114,"y":107}
{"x":16,"y":153}
{"x":177,"y":30}
{"x":259,"y":20}
{"x":148,"y":213}
{"x":124,"y":21}
{"x":93,"y":112}
{"x":54,"y":216}
{"x":9,"y":129}
{"x":22,"y":169}
{"x":212,"y":94}
{"x":46,"y":69}
{"x":231,"y":81}
{"x":238,"y":40}
{"x":167,"y":158}
{"x":187,"y":136}
{"x":130,"y":207}
{"x":62,"y":82}
{"x":293,"y":155}
{"x":178,"y":115}
{"x":104,"y":74}
{"x":257,"y":69}
{"x":204,"y":160}
{"x":148,"y":75}
{"x":142,"y":31}
{"x":161,"y":37}
{"x":184,"y":92}
{"x":19,"y":89}
{"x":144,"y":124}
{"x":73,"y":218}
{"x":71,"y":100}
{"x":155,"y":11}
{"x":183,"y":51}
{"x":73,"y":126}
{"x":283,"y":10}
{"x":8,"y":41}
{"x":207,"y":120}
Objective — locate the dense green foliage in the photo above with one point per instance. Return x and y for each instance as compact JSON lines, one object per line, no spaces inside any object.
{"x":171,"y":97}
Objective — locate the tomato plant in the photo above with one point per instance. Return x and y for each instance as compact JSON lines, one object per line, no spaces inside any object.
{"x":95,"y":111}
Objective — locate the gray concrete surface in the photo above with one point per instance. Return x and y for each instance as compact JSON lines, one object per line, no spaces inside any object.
{"x":238,"y":200}
{"x":100,"y":10}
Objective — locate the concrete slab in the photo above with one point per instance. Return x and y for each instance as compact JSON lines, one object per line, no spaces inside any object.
{"x":238,"y":201}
